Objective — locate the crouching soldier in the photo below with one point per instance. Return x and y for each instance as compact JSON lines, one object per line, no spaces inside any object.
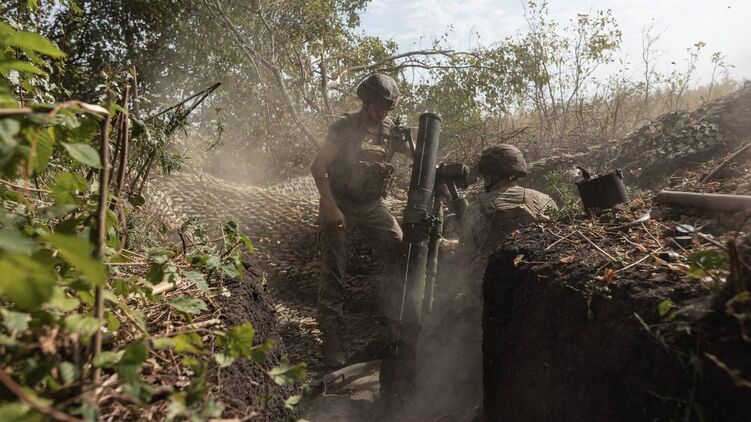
{"x":502,"y":208}
{"x":352,"y":174}
{"x":485,"y":224}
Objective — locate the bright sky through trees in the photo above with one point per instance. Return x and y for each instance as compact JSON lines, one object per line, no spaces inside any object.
{"x":721,"y":24}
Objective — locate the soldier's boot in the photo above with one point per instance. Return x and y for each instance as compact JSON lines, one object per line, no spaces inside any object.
{"x":333,"y":354}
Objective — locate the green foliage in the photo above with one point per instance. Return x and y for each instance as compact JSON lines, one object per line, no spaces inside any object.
{"x":51,"y":275}
{"x":564,"y":195}
{"x":83,"y":154}
{"x":287,"y":373}
{"x":664,"y":307}
{"x":706,"y":260}
{"x":188,"y":305}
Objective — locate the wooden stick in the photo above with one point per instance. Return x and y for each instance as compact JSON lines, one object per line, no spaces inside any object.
{"x":633,"y":264}
{"x":725,"y":163}
{"x":39,"y":407}
{"x":607,"y":255}
{"x":560,"y":239}
{"x":102,"y":231}
{"x":15,"y":186}
{"x":15,"y":111}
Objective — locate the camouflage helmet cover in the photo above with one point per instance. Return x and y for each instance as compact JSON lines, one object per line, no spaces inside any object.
{"x":379,"y":89}
{"x":503,"y":160}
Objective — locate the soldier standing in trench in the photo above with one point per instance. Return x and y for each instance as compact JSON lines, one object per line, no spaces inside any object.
{"x":352,"y":174}
{"x":485,"y":224}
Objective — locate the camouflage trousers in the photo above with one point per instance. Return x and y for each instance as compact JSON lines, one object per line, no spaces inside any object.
{"x":383,"y":234}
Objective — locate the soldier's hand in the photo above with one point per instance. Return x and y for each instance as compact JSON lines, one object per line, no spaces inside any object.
{"x":335,"y":217}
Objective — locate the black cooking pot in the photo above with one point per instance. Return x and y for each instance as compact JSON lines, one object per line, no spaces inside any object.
{"x":603,"y":191}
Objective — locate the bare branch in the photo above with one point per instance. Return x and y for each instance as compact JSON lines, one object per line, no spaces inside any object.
{"x":338,"y":79}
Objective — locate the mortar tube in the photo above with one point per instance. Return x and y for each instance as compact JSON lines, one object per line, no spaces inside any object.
{"x":398,"y":371}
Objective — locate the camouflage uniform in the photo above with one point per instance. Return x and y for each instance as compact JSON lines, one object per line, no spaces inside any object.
{"x":356,"y":144}
{"x":492,"y":217}
{"x":485,"y":224}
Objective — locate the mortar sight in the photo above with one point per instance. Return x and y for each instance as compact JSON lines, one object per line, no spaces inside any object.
{"x":454,"y":173}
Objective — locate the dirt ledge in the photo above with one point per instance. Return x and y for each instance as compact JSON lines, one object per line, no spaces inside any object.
{"x":244,"y":387}
{"x":547,"y":358}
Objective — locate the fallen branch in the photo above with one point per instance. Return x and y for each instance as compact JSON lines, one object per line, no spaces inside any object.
{"x":599,"y":249}
{"x":725,"y":163}
{"x":734,"y":374}
{"x":560,"y":239}
{"x":633,"y":264}
{"x":39,"y":407}
{"x":15,"y":186}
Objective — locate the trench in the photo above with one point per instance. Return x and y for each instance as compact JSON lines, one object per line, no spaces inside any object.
{"x":555,"y":349}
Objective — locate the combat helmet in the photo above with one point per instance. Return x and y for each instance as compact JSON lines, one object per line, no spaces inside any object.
{"x":503,"y":160}
{"x":379,"y":89}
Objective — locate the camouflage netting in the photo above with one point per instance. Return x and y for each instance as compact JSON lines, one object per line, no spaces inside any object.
{"x":673,"y":141}
{"x":281,"y":221}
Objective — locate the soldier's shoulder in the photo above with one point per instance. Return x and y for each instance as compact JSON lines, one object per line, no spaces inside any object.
{"x":539,"y":200}
{"x":507,"y":198}
{"x":344,"y":121}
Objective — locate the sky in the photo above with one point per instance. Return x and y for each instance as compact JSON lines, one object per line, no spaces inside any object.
{"x":722,"y":24}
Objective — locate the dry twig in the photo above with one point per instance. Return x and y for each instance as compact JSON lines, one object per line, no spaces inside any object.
{"x":599,"y":249}
{"x":725,"y":163}
{"x":39,"y":407}
{"x":15,"y":186}
{"x":734,"y":374}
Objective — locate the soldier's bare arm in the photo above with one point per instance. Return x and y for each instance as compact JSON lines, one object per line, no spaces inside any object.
{"x":330,"y":211}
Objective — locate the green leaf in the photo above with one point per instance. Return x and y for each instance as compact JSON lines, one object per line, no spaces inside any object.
{"x":229,"y":270}
{"x":213,"y":262}
{"x":258,"y":353}
{"x":130,"y":363}
{"x":188,"y":343}
{"x":188,"y":305}
{"x":44,"y":147}
{"x":35,"y":42}
{"x":19,"y":412}
{"x":113,"y":323}
{"x":68,"y":186}
{"x":77,"y":252}
{"x":83,"y":153}
{"x":239,"y":340}
{"x":61,"y":301}
{"x":9,"y":128}
{"x":84,"y":325}
{"x":223,"y":360}
{"x":24,"y":281}
{"x":197,"y":279}
{"x":13,"y":241}
{"x":20,"y":66}
{"x":664,"y":307}
{"x":286,"y":373}
{"x":293,"y":401}
{"x":15,"y":321}
{"x":107,"y":359}
{"x":707,"y":259}
{"x":68,"y":372}
{"x":162,"y":343}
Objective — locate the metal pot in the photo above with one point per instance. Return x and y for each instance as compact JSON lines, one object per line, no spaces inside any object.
{"x":603,"y":191}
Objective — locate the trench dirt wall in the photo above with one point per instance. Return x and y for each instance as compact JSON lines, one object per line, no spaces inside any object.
{"x":557,"y":348}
